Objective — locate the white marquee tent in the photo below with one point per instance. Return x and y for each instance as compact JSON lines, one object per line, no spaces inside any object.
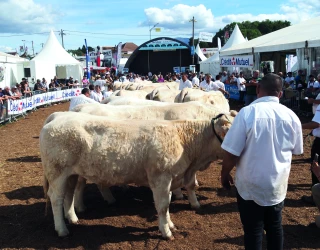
{"x":54,"y":60}
{"x":292,"y":37}
{"x":11,"y":69}
{"x":302,"y":38}
{"x":212,"y":64}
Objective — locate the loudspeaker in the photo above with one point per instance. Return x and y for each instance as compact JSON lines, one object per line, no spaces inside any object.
{"x":27,"y":72}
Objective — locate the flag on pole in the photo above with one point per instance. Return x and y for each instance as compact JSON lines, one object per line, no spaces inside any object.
{"x":87,"y":60}
{"x":219,"y":44}
{"x":119,"y":48}
{"x":157,"y":29}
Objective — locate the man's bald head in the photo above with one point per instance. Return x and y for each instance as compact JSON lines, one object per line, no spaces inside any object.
{"x":270,"y":85}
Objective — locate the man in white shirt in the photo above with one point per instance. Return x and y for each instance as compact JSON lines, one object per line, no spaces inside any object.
{"x":224,"y":77}
{"x":219,"y":83}
{"x":81,"y":99}
{"x":108,"y":93}
{"x":267,"y":134}
{"x":241,"y":87}
{"x":184,"y":82}
{"x":195,"y":80}
{"x":315,"y":149}
{"x":174,"y":78}
{"x":208,"y":85}
{"x":96,"y":94}
{"x":290,"y":80}
{"x":100,"y":82}
{"x":314,"y":84}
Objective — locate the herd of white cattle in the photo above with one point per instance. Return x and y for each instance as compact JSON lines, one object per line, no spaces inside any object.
{"x":160,"y":143}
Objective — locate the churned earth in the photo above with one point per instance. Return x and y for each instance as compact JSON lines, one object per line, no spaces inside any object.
{"x":132,"y":222}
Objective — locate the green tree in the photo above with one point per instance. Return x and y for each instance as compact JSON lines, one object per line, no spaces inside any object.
{"x":250,"y":30}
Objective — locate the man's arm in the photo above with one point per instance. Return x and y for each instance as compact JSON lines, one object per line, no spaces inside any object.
{"x":229,"y":162}
{"x":310,"y":125}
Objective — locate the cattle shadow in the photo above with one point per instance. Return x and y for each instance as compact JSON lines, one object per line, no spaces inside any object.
{"x":295,"y":237}
{"x":31,"y":158}
{"x":301,"y":161}
{"x":217,"y":208}
{"x":25,"y":226}
{"x":25,"y":193}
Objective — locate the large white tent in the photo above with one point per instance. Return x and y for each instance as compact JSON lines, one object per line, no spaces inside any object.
{"x":11,"y":69}
{"x":301,"y":39}
{"x":55,"y":60}
{"x":212,"y":64}
{"x":292,"y":37}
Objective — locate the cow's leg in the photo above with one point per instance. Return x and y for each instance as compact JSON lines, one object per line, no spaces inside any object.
{"x":56,"y":193}
{"x":106,"y":194}
{"x":69,"y":212}
{"x":78,"y":195}
{"x":178,"y":194}
{"x":161,"y":196}
{"x":192,"y":194}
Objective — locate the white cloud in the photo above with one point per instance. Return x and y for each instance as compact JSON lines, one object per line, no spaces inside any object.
{"x":6,"y":49}
{"x":18,"y":16}
{"x":179,"y":15}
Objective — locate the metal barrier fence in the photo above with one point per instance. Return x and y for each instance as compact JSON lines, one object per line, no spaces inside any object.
{"x":11,"y":109}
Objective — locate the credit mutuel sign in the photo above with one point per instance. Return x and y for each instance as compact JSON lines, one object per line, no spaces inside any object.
{"x":237,"y":61}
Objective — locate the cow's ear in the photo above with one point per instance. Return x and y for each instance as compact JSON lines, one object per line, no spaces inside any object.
{"x":223,"y":125}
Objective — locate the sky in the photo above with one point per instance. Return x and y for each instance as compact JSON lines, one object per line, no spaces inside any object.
{"x":106,"y":23}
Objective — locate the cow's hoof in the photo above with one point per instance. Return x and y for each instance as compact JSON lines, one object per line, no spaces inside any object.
{"x":73,"y":220}
{"x":169,"y":238}
{"x":196,"y":206}
{"x":63,"y":233}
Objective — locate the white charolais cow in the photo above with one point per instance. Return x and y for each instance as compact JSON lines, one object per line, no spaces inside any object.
{"x":170,"y":111}
{"x":163,"y":155}
{"x":215,"y":98}
{"x":125,"y":100}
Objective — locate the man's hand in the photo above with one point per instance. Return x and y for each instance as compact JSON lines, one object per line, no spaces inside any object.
{"x":226,"y":181}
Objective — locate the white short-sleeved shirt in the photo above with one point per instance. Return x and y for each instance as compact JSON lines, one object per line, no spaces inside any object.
{"x":101,"y":83}
{"x":81,"y":99}
{"x":220,"y":84}
{"x":186,"y":84}
{"x":316,"y":118}
{"x":289,"y":79}
{"x":107,"y":94}
{"x":96,"y":96}
{"x":212,"y":86}
{"x":195,"y":81}
{"x":241,"y":87}
{"x":314,"y":84}
{"x":264,"y":134}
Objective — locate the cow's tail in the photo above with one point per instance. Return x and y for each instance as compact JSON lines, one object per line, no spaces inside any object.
{"x":182,"y":95}
{"x":45,"y":190}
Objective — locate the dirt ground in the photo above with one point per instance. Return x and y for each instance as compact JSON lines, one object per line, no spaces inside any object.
{"x":132,"y":222}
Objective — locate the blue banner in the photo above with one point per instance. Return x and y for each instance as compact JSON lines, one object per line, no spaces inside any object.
{"x":233,"y":91}
{"x":87,"y":60}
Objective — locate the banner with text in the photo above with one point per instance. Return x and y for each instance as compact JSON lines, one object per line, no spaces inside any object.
{"x":236,"y":61}
{"x":205,"y":37}
{"x":16,"y":107}
{"x":233,"y":91}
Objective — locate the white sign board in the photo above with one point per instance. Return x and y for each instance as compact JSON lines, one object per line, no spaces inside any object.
{"x":205,"y":37}
{"x":236,"y":61}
